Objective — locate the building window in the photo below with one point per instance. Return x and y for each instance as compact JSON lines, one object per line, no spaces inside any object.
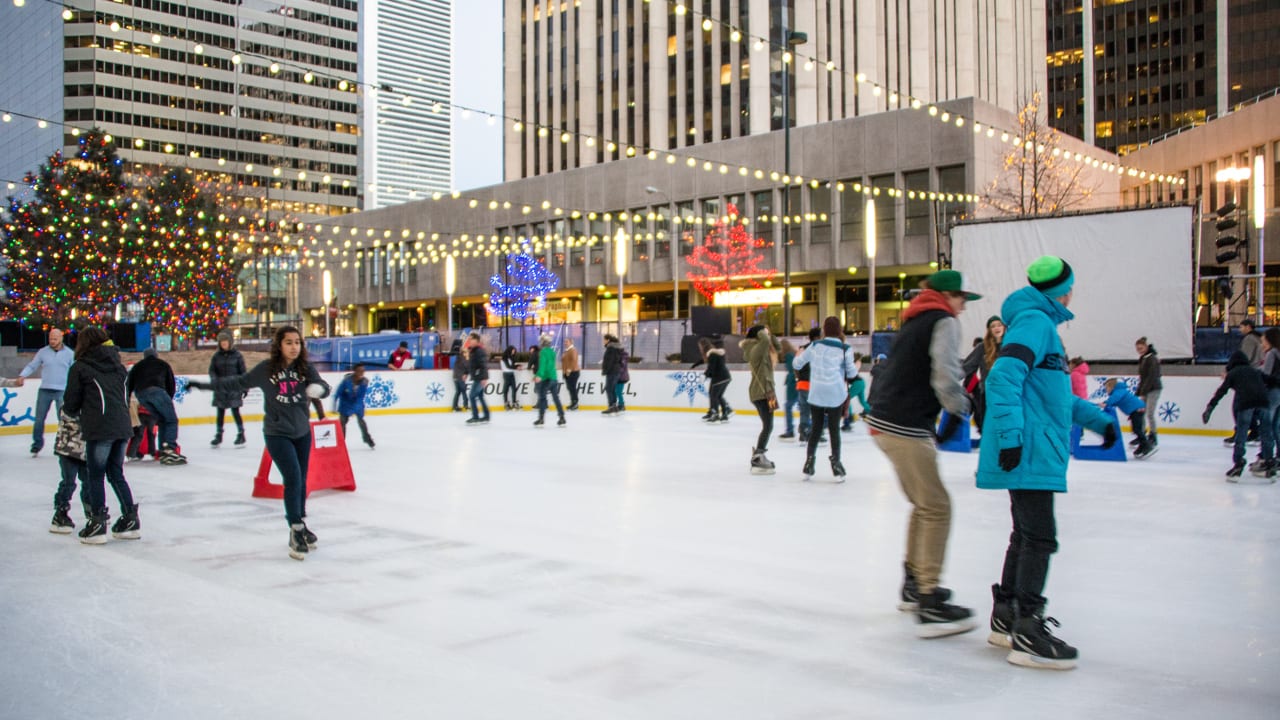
{"x":762,"y":215}
{"x":820,"y":215}
{"x":886,"y":212}
{"x":1103,"y":129}
{"x":852,"y":203}
{"x":917,"y":208}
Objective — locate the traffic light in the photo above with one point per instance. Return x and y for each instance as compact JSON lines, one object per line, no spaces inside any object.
{"x":1227,"y":242}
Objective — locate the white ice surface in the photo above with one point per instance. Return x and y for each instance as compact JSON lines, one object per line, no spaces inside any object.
{"x":623,"y":568}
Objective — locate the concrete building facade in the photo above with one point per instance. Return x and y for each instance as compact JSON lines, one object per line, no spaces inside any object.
{"x":591,"y":79}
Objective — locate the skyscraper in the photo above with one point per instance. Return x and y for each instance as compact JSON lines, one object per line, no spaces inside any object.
{"x":1154,"y":66}
{"x":591,"y":78}
{"x":406,"y":148}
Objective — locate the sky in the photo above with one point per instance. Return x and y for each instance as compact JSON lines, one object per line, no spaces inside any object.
{"x":477,"y":83}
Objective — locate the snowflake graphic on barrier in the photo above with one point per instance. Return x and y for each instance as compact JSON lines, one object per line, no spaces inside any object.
{"x":689,"y":382}
{"x":8,"y":420}
{"x":382,"y":393}
{"x":1168,"y":412}
{"x":1100,"y":388}
{"x":435,"y":391}
{"x":180,"y":389}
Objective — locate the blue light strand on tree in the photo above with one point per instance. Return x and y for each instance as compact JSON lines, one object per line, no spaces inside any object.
{"x":529,"y":283}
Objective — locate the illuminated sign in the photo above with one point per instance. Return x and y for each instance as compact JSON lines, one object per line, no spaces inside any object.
{"x":755,"y":296}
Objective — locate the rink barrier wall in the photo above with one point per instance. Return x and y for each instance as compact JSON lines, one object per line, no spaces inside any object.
{"x":666,"y":390}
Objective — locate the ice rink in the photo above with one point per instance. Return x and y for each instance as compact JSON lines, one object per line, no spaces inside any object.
{"x":624,"y":568}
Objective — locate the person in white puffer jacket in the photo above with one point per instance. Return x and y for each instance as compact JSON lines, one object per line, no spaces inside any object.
{"x":831,"y":369}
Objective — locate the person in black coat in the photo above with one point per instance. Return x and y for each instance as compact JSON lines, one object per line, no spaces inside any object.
{"x":718,"y":377}
{"x":478,"y":363}
{"x":227,"y":362}
{"x":611,"y":366}
{"x":96,"y":395}
{"x":151,"y":381}
{"x":1250,"y":403}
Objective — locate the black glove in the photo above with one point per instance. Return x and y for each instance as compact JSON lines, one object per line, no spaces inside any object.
{"x":949,"y":428}
{"x":1109,"y":437}
{"x":1205,"y":417}
{"x":1010,"y":458}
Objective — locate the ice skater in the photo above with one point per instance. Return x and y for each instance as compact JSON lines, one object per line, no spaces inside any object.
{"x":478,"y":366}
{"x":96,"y":396}
{"x":572,"y":369}
{"x":831,"y":368}
{"x":151,"y":380}
{"x":54,"y":362}
{"x":68,"y":445}
{"x":510,"y":400}
{"x":761,"y":350}
{"x":921,"y":377}
{"x":718,"y":379}
{"x":1250,"y":407}
{"x":227,"y":362}
{"x":546,"y":379}
{"x":460,"y":372}
{"x":611,"y":368}
{"x":350,"y":400}
{"x":1150,"y":384}
{"x":792,"y":397}
{"x":1121,"y":398}
{"x":857,"y":391}
{"x":1024,"y":450}
{"x":288,"y":383}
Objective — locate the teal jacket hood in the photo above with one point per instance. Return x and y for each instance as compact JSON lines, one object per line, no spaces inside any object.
{"x":1029,"y":299}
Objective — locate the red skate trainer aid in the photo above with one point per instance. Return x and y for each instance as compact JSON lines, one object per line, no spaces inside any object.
{"x":329,"y":467}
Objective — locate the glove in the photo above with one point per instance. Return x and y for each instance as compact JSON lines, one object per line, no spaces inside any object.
{"x":948,"y":430}
{"x":1205,"y":417}
{"x":1010,"y":458}
{"x":1109,"y":437}
{"x":315,"y":390}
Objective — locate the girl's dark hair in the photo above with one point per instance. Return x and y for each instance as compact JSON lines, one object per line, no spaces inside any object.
{"x":88,"y":339}
{"x":277,"y":356}
{"x":510,"y":353}
{"x":831,"y":328}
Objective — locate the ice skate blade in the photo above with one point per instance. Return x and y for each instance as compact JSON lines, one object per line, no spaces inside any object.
{"x":95,"y":540}
{"x":908,"y":606}
{"x":59,"y":530}
{"x":763,"y":471}
{"x":127,"y":535}
{"x":1025,"y":659}
{"x":929,"y":631}
{"x":1000,"y":640}
{"x":297,"y":555}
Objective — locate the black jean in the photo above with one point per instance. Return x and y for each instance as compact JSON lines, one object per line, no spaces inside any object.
{"x":552,"y":387}
{"x":291,"y":456}
{"x":571,"y":382}
{"x":718,"y":405}
{"x":1033,"y":540}
{"x":831,"y":418}
{"x":509,"y":388}
{"x":460,"y":393}
{"x":478,"y":401}
{"x":235,"y":415}
{"x":72,"y":470}
{"x":105,"y":459}
{"x":766,"y":423}
{"x":364,"y":429}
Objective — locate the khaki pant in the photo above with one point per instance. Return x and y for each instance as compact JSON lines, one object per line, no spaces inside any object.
{"x":916,"y":462}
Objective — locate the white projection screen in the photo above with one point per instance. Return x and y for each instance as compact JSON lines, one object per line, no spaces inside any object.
{"x":1133,"y":272}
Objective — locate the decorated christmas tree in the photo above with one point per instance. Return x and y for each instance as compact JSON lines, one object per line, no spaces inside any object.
{"x":87,"y":239}
{"x":525,"y":288}
{"x":728,"y":253}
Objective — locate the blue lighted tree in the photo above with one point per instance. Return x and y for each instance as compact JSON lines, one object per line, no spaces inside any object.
{"x":526,"y":289}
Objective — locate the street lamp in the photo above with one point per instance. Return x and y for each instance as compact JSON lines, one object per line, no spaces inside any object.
{"x":869,"y":217}
{"x":620,"y":265}
{"x":328,"y":295}
{"x":1259,"y":220}
{"x":790,"y":40}
{"x":450,"y":284}
{"x":1235,"y":176}
{"x":902,"y":296}
{"x":675,"y":253}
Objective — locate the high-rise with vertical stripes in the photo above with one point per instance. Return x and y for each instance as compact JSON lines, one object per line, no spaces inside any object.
{"x":589,"y":79}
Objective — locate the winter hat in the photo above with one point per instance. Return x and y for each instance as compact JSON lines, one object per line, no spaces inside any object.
{"x":1051,"y":276}
{"x":225,"y":335}
{"x":994,"y":318}
{"x":950,"y":281}
{"x":754,"y":330}
{"x":149,"y":353}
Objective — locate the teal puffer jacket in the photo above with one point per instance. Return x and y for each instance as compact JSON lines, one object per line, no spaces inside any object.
{"x":1029,"y":399}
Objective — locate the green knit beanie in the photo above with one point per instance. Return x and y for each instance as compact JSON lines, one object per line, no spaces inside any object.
{"x":1051,"y":275}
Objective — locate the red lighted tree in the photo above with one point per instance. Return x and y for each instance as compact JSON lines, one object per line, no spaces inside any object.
{"x":728,"y":253}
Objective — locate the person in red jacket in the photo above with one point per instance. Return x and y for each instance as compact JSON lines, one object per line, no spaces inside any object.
{"x":401,"y":358}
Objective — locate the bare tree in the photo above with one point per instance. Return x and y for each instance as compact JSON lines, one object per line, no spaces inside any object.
{"x":1034,"y":178}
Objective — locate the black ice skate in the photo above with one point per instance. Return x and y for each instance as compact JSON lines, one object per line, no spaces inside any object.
{"x":937,"y":618}
{"x":169,"y":455}
{"x":297,"y":541}
{"x":561,"y":423}
{"x":95,"y":530}
{"x":240,"y":439}
{"x":1235,"y":472}
{"x":1144,"y":452}
{"x":312,"y":540}
{"x":217,"y":439}
{"x":127,"y":527}
{"x":910,"y":593}
{"x":538,"y":423}
{"x":709,"y":417}
{"x":61,"y":523}
{"x":808,"y":468}
{"x":837,"y":469}
{"x":760,"y":465}
{"x":787,"y":436}
{"x":1001,"y":618}
{"x":1035,"y":646}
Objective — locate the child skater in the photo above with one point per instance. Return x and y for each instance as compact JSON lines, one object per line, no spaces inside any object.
{"x":69,"y":447}
{"x":718,"y":377}
{"x":1120,"y":397}
{"x":350,"y":396}
{"x":1250,"y":403}
{"x":857,"y":391}
{"x":288,"y":383}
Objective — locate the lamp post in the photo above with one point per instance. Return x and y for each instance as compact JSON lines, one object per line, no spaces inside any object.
{"x":869,"y":217}
{"x":675,"y":253}
{"x":902,"y":296}
{"x":1259,"y":221}
{"x":790,"y":40}
{"x":450,"y":284}
{"x":1235,"y":176}
{"x":328,"y":295}
{"x":620,"y":265}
